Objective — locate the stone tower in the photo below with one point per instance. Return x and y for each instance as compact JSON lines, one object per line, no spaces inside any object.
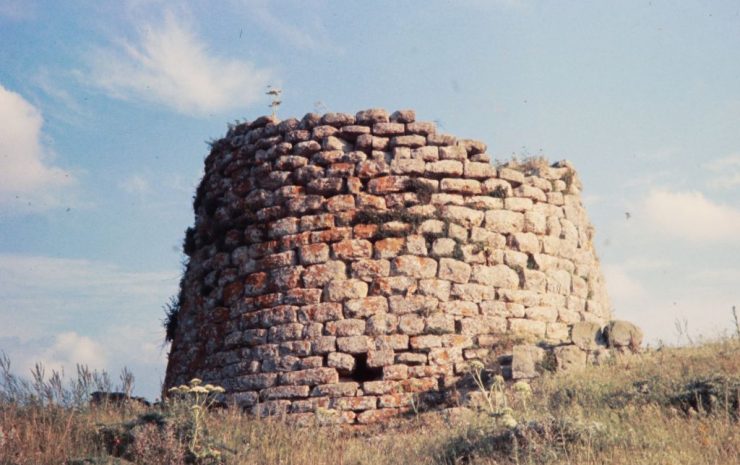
{"x":349,"y":262}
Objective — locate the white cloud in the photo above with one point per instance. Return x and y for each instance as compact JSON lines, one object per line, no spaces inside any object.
{"x":26,"y":176}
{"x":690,"y":216}
{"x":63,"y":311}
{"x":726,"y":172}
{"x":68,"y":349}
{"x":170,"y":65}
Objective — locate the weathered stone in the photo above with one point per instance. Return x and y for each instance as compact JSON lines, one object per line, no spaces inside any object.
{"x":392,"y":285}
{"x":476,"y":170}
{"x":444,"y":168}
{"x":623,"y":334}
{"x":284,"y":392}
{"x":350,"y":327}
{"x":528,"y":329}
{"x":525,"y":360}
{"x":504,"y":221}
{"x":454,"y":270}
{"x":380,"y":358}
{"x":354,"y":344}
{"x":439,"y":323}
{"x":354,"y":403}
{"x":459,"y":308}
{"x":497,"y":276}
{"x":411,"y":324}
{"x":587,"y":335}
{"x":341,"y":290}
{"x":415,"y":267}
{"x":365,"y":307}
{"x":314,"y":253}
{"x":570,"y":358}
{"x":473,"y":292}
{"x":310,"y":377}
{"x":345,"y":389}
{"x":425,"y":342}
{"x":352,"y":249}
{"x":321,"y":274}
{"x":367,"y":269}
{"x":525,"y":242}
{"x":467,"y":217}
{"x":372,"y":116}
{"x":511,"y":175}
{"x":437,"y":288}
{"x":344,"y":363}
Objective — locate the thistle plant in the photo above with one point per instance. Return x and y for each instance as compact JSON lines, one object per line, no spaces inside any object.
{"x":198,"y":399}
{"x":274,"y":94}
{"x":494,"y":395}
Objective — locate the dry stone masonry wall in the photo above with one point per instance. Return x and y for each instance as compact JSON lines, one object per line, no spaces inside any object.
{"x":344,"y":263}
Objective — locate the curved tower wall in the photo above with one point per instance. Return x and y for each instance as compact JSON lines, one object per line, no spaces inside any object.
{"x":345,"y":263}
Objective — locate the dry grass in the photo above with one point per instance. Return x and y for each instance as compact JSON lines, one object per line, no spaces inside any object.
{"x":651,"y":409}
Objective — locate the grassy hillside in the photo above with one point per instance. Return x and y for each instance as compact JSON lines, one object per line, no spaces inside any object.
{"x":667,"y":406}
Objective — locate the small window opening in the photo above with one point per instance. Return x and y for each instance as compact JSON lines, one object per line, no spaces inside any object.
{"x":362,"y":372}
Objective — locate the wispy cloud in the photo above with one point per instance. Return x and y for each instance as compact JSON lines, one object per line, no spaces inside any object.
{"x":17,"y":9}
{"x":168,"y":64}
{"x":28,"y":180}
{"x":725,"y":171}
{"x":310,"y":35}
{"x":689,"y":216}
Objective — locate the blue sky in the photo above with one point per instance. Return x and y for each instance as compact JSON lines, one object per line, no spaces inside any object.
{"x":106,"y":107}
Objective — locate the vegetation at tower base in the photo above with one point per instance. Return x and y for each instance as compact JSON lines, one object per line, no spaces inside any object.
{"x":666,"y":405}
{"x":356,"y":265}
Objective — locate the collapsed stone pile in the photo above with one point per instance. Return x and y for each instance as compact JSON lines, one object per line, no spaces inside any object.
{"x":345,"y":263}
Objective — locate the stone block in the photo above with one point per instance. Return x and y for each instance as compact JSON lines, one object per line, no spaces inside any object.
{"x":443,"y":168}
{"x":623,"y":334}
{"x":390,"y":247}
{"x":504,"y":221}
{"x":587,"y":335}
{"x":368,"y":269}
{"x":345,"y":389}
{"x":354,"y":344}
{"x":284,"y":392}
{"x":412,"y":304}
{"x":524,"y":361}
{"x":415,"y":267}
{"x":365,"y":307}
{"x":500,"y":276}
{"x":569,"y":358}
{"x":319,"y":275}
{"x":344,"y":363}
{"x":352,"y":249}
{"x":346,"y":289}
{"x":380,"y":358}
{"x":310,"y":377}
{"x":381,"y":323}
{"x":466,"y":217}
{"x":354,"y":403}
{"x":453,"y":270}
{"x":460,"y":186}
{"x":311,"y":254}
{"x":350,"y":327}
